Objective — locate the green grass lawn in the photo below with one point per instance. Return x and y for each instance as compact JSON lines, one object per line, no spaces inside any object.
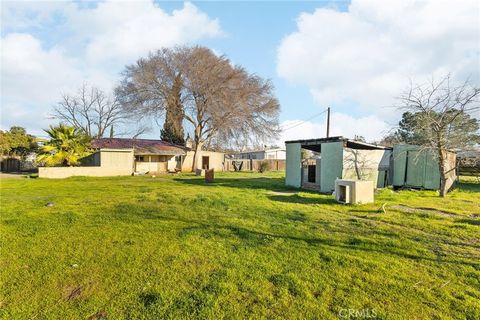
{"x":242,"y":247}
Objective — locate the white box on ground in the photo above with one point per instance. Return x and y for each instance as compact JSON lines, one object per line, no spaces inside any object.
{"x":354,"y":191}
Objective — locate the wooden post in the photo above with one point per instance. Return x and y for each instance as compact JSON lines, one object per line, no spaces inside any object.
{"x":328,"y":122}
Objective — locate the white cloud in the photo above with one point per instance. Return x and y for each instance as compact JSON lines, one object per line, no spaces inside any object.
{"x":368,"y":54}
{"x":125,"y":32}
{"x":372,"y":128}
{"x":32,"y":79}
{"x":20,"y":15}
{"x":77,"y":43}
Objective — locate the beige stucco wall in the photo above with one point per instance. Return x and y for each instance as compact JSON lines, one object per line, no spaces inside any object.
{"x":155,"y":164}
{"x":172,"y":164}
{"x":113,"y":162}
{"x":216,"y":160}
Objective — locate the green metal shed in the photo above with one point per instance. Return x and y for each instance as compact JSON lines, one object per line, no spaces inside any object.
{"x":415,"y":167}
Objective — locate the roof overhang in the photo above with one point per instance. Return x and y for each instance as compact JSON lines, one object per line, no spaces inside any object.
{"x":114,"y":150}
{"x":316,"y":144}
{"x":160,"y":153}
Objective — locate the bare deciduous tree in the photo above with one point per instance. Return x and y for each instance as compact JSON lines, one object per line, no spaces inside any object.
{"x":219,"y":101}
{"x":440,"y":108}
{"x":91,"y":110}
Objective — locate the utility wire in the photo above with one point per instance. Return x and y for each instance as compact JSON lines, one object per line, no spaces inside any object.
{"x":303,"y":121}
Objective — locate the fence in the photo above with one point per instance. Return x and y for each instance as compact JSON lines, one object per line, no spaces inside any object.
{"x":10,"y":165}
{"x":469,"y":171}
{"x":469,"y":163}
{"x":254,"y":165}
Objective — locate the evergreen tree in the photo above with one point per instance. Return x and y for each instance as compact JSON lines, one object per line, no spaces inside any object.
{"x":173,"y":127}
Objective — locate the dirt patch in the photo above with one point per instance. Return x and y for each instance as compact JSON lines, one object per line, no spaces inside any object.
{"x":282,"y":193}
{"x":71,"y":293}
{"x":425,"y":210}
{"x":12,"y":175}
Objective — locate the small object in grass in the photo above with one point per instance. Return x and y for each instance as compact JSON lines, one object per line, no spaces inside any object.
{"x":50,"y":204}
{"x":74,"y":265}
{"x":209,"y":176}
{"x":153,"y":176}
{"x":382,"y":208}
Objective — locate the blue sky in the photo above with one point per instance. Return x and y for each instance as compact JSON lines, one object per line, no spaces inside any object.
{"x":355,"y":57}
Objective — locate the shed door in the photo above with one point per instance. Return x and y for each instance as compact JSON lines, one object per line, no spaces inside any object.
{"x":205,"y":163}
{"x":311,"y":173}
{"x":415,"y":171}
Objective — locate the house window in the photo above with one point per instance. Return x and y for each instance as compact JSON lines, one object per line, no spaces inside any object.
{"x":139,"y":158}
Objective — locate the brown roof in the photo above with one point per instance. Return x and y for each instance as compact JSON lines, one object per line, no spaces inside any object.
{"x":140,"y":146}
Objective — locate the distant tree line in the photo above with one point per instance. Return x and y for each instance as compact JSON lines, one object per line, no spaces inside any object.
{"x":192,"y":85}
{"x":16,"y":142}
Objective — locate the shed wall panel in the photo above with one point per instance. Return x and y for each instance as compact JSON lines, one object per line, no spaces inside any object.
{"x":293,"y":170}
{"x":332,"y":165}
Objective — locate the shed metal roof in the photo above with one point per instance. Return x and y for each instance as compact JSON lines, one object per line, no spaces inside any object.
{"x":315,"y":144}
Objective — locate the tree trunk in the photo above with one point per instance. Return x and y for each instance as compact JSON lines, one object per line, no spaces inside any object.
{"x":197,"y":148}
{"x":443,"y":177}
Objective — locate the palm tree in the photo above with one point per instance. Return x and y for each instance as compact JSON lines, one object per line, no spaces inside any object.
{"x":66,"y":146}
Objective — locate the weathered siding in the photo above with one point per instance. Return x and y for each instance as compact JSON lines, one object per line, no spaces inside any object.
{"x":417,"y":168}
{"x":293,"y":170}
{"x":331,"y":165}
{"x":366,"y":165}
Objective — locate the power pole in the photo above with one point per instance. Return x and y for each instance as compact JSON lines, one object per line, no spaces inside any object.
{"x":328,"y":122}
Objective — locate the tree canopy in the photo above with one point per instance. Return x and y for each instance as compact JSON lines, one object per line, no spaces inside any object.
{"x":411,"y":131}
{"x":173,"y":131}
{"x":438,"y":117}
{"x":218,"y":100}
{"x":66,"y":146}
{"x":91,"y":110}
{"x":17,"y":142}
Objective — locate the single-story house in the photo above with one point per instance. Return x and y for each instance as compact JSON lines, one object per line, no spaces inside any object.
{"x":335,"y":158}
{"x":153,"y":156}
{"x":415,"y":167}
{"x":270,"y":154}
{"x":157,"y":156}
{"x":119,"y":156}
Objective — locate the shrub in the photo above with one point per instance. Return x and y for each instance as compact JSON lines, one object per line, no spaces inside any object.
{"x":264,"y":166}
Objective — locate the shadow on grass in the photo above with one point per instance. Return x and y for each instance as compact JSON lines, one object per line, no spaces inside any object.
{"x":473,"y":222}
{"x":148,"y":298}
{"x":259,"y":238}
{"x":302,"y":200}
{"x":241,"y":183}
{"x":469,"y":185}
